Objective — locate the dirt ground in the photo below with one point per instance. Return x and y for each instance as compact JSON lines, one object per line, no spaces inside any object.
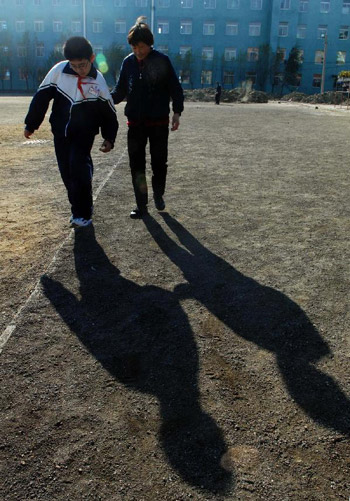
{"x":202,"y":353}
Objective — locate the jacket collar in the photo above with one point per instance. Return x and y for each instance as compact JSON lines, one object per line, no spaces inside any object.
{"x":92,"y":73}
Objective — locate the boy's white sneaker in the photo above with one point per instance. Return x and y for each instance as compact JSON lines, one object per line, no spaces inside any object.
{"x":79,"y":222}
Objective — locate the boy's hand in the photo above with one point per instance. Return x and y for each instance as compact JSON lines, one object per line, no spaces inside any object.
{"x":175,"y":121}
{"x":106,"y":146}
{"x":27,"y":133}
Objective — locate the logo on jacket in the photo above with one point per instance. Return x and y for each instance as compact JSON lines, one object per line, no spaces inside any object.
{"x":94,"y":90}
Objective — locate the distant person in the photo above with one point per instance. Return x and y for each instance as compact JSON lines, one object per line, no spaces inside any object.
{"x":148,"y":81}
{"x":82,"y":104}
{"x":217,"y":93}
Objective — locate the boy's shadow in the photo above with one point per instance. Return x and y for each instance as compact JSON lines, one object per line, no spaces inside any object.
{"x":261,"y":315}
{"x":141,"y":335}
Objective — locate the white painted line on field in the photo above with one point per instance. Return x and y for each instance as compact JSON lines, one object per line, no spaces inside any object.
{"x":11,"y":327}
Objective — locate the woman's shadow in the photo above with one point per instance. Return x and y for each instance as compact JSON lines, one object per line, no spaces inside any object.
{"x":261,"y":315}
{"x":141,"y":335}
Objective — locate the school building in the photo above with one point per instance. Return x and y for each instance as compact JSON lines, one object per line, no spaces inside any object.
{"x":208,"y":40}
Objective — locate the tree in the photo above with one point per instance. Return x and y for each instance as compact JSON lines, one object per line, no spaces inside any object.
{"x":276,"y":60}
{"x":29,"y":65}
{"x":242,"y":65}
{"x":263,"y":65}
{"x":114,"y":54}
{"x":184,"y":66}
{"x":6,"y":59}
{"x":291,"y":70}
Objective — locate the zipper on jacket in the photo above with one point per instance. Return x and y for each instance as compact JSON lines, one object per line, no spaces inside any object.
{"x":67,"y":124}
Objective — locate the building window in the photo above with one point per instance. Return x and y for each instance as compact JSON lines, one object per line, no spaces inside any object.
{"x":120,"y":26}
{"x":319,"y":57}
{"x":163,"y":4}
{"x":346,"y":7}
{"x":321,"y":31}
{"x":206,"y":77}
{"x":36,"y":2}
{"x":56,"y":3}
{"x":19,"y":3}
{"x":186,"y":28}
{"x":252,"y":54}
{"x":187,"y":4}
{"x":230,"y":53}
{"x":283,"y":29}
{"x":254,"y":29}
{"x":251,"y":75}
{"x":231,"y":29}
{"x":325,"y":7}
{"x":3,"y":25}
{"x":208,"y":29}
{"x":255,"y":4}
{"x":341,"y":57}
{"x":285,"y":4}
{"x":40,"y":50}
{"x":228,"y":78}
{"x":184,"y":49}
{"x":316,"y":80}
{"x":210,"y":4}
{"x":38,"y":26}
{"x":281,"y":53}
{"x":141,"y":3}
{"x":303,"y":5}
{"x":163,"y":48}
{"x":163,"y":27}
{"x":301,"y":31}
{"x":185,"y":76}
{"x":97,"y":3}
{"x":57,"y":26}
{"x":22,"y":74}
{"x":21,"y":51}
{"x":76,"y":26}
{"x":208,"y":53}
{"x":20,"y":26}
{"x":97,"y":26}
{"x":343,"y":32}
{"x":233,"y":4}
{"x":119,"y":3}
{"x":75,"y":3}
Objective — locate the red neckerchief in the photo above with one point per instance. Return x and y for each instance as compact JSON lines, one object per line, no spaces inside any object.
{"x":80,"y":85}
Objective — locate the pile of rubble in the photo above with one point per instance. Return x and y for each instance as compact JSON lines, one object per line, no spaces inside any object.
{"x":325,"y":98}
{"x":237,"y":95}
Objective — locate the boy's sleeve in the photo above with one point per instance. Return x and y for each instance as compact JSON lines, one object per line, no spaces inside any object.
{"x":175,"y":89}
{"x":120,"y":90}
{"x":40,"y":102}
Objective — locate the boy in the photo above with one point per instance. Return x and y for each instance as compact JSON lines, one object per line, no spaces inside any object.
{"x":148,"y":81}
{"x":81,"y":106}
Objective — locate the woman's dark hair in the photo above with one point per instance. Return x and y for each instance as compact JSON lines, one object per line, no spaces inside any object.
{"x":140,"y":32}
{"x":77,"y":48}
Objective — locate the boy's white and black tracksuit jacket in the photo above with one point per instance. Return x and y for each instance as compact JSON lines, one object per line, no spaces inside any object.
{"x":82,"y":106}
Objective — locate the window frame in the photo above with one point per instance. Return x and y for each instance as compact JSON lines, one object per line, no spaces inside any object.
{"x":233,"y":25}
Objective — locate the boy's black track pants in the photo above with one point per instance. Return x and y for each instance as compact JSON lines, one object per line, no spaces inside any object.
{"x":76,"y":168}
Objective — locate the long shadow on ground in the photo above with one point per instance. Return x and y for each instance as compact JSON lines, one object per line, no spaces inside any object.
{"x":141,"y":335}
{"x":261,"y":315}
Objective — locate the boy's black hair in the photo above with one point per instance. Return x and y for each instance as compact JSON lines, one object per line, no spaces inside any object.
{"x":77,"y":48}
{"x":140,"y":32}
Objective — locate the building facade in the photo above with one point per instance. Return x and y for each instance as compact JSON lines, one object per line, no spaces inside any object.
{"x":231,"y":41}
